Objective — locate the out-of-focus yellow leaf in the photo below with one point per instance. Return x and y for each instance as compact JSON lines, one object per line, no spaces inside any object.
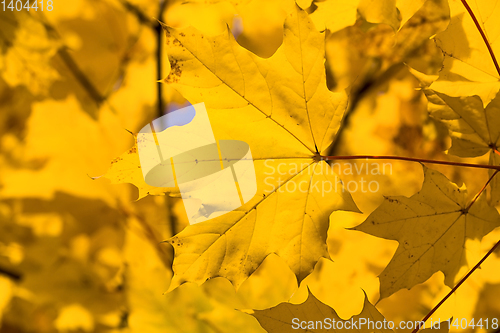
{"x":66,"y":138}
{"x":187,"y":309}
{"x":283,"y":318}
{"x":260,"y":20}
{"x":84,"y":37}
{"x":469,"y":68}
{"x":335,"y":15}
{"x":5,"y":294}
{"x":407,"y":8}
{"x":380,"y":11}
{"x":488,"y":306}
{"x":211,"y":18}
{"x":74,"y":317}
{"x":26,"y":50}
{"x":472,"y":124}
{"x":361,"y":57}
{"x":473,"y":128}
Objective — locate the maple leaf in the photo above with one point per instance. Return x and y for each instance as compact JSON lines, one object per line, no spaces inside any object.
{"x":346,"y":12}
{"x":474,"y":128}
{"x":385,"y":12}
{"x":281,"y":317}
{"x":407,"y":8}
{"x":469,"y":45}
{"x":282,"y":108}
{"x":431,"y":227}
{"x":74,"y":78}
{"x":356,"y":55}
{"x":126,"y":169}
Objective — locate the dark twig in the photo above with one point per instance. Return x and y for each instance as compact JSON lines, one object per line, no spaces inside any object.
{"x":483,"y":35}
{"x":420,"y":324}
{"x":141,"y":17}
{"x":13,"y":275}
{"x":159,"y":58}
{"x":481,"y":191}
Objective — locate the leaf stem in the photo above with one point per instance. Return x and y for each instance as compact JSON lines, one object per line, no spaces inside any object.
{"x":410,"y":159}
{"x":481,"y":191}
{"x":420,"y":324}
{"x":483,"y":35}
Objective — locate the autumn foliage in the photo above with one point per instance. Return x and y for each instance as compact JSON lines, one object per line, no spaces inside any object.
{"x":374,"y":128}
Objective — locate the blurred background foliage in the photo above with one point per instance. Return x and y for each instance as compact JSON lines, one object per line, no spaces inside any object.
{"x":78,"y":254}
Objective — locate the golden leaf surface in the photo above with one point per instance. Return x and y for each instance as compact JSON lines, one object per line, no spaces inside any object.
{"x":287,"y":317}
{"x":282,"y":108}
{"x":431,"y":228}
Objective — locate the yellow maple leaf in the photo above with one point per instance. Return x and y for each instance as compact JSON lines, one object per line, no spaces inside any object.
{"x":315,"y":316}
{"x":472,"y":124}
{"x":384,"y":11}
{"x":282,"y":108}
{"x":470,"y":66}
{"x":346,"y":14}
{"x":431,"y":228}
{"x":474,"y":129}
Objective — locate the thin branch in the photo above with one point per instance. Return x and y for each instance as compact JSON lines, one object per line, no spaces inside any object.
{"x":13,"y":275}
{"x":159,"y":57}
{"x":80,"y":76}
{"x":481,"y":191}
{"x":160,"y":102}
{"x":318,"y":158}
{"x":75,"y":69}
{"x":420,"y":324}
{"x":409,"y":159}
{"x":73,"y":66}
{"x":357,"y":92}
{"x":485,"y":39}
{"x":141,"y":17}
